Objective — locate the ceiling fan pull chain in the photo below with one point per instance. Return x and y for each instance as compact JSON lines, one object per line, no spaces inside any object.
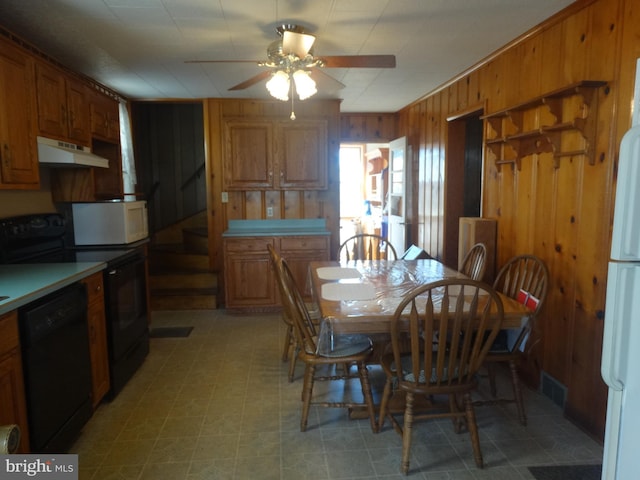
{"x":293,"y":114}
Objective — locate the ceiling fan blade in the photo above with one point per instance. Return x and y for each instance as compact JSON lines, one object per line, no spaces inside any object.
{"x":297,"y":43}
{"x":223,"y":61}
{"x":252,"y":81}
{"x":324,"y":81}
{"x":359,"y":61}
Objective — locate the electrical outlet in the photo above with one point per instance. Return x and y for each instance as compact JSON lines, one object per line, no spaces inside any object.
{"x":269,"y":211}
{"x":225,"y":197}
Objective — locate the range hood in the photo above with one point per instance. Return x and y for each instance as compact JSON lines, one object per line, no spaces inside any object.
{"x":63,"y":154}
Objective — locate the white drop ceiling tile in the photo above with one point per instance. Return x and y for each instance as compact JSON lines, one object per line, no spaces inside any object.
{"x":138,"y":16}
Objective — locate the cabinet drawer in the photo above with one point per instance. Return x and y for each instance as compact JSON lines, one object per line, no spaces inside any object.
{"x":248,"y":245}
{"x":303,"y":243}
{"x":9,"y":338}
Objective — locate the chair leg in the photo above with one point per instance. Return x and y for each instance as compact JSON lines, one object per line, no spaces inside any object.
{"x":287,"y":343}
{"x":406,"y":433}
{"x":294,"y":358}
{"x":517,"y":393}
{"x":366,"y":393}
{"x":307,"y":391}
{"x":386,"y":395}
{"x":454,"y":407}
{"x":473,"y":429}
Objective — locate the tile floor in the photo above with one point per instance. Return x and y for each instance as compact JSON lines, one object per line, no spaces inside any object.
{"x":217,"y":405}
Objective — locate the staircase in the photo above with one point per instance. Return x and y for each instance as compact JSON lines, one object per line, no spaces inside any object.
{"x":179,"y":275}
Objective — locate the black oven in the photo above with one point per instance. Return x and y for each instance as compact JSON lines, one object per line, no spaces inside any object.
{"x":43,"y":239}
{"x":127,"y":319}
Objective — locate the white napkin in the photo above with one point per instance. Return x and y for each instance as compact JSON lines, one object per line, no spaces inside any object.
{"x":348,"y":291}
{"x":337,"y":273}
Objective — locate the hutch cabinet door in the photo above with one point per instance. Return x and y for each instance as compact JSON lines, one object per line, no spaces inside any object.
{"x":248,"y":155}
{"x":302,"y":154}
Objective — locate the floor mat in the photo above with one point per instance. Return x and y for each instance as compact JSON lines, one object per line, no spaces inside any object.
{"x":170,"y":332}
{"x":567,"y":472}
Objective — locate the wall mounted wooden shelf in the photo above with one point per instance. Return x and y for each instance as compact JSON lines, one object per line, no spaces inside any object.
{"x":547,"y":138}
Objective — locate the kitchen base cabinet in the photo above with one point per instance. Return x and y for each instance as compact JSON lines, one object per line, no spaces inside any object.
{"x":97,"y":337}
{"x":13,"y":405}
{"x":249,"y":279}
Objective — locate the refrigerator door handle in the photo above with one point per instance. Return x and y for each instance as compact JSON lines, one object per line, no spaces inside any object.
{"x":625,"y":240}
{"x":621,"y":323}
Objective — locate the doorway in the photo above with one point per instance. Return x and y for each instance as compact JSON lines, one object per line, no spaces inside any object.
{"x":362,"y":188}
{"x":463,"y":177}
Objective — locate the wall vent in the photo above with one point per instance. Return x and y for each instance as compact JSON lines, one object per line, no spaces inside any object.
{"x":553,"y":389}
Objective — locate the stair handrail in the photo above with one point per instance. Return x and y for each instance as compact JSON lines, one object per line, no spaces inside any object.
{"x":193,"y":176}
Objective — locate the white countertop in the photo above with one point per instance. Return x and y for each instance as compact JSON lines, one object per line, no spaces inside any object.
{"x":24,"y":283}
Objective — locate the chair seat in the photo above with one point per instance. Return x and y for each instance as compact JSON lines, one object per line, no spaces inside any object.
{"x":344,"y":346}
{"x":408,"y":375}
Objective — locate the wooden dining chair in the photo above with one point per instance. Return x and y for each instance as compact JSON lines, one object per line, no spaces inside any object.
{"x":366,"y":246}
{"x":524,"y":278}
{"x":290,"y":349}
{"x":474,"y":263}
{"x":314,"y":351}
{"x":440,"y":335}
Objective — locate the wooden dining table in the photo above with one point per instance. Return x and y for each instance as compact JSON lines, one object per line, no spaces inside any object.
{"x":362,"y":296}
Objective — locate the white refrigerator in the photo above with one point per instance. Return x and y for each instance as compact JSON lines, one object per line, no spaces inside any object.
{"x":621,"y":341}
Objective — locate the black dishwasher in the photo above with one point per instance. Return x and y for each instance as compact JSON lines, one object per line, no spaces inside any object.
{"x":57,"y":368}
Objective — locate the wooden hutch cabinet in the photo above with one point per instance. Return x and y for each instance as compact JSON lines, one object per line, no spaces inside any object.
{"x":273,"y":154}
{"x":18,"y":149}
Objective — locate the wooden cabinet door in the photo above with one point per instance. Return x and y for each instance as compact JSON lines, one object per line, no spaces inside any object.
{"x":248,"y":276}
{"x":63,"y":107}
{"x":97,"y":338}
{"x":302,"y":154}
{"x":299,"y":252}
{"x":12,"y":396}
{"x":78,"y":112}
{"x":18,"y":149}
{"x":52,"y":101}
{"x":105,"y":117}
{"x":248,"y":155}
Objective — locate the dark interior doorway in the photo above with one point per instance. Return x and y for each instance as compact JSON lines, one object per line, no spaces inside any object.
{"x":463,"y":178}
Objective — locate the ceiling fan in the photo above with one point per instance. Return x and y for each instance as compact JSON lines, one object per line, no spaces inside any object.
{"x":292,"y":53}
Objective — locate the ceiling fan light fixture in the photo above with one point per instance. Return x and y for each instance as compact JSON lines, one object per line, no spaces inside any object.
{"x":278,"y":85}
{"x":305,"y":86}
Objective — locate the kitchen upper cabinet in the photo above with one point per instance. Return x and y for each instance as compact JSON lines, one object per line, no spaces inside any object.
{"x":105,"y":117}
{"x":271,"y":154}
{"x":18,"y":148}
{"x":63,"y":106}
{"x":12,"y":394}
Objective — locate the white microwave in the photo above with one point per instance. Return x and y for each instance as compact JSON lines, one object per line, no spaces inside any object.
{"x":110,"y":223}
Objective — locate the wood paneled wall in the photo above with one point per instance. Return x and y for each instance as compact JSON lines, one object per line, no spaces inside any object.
{"x":562,"y":214}
{"x":367,"y":127}
{"x":292,"y":204}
